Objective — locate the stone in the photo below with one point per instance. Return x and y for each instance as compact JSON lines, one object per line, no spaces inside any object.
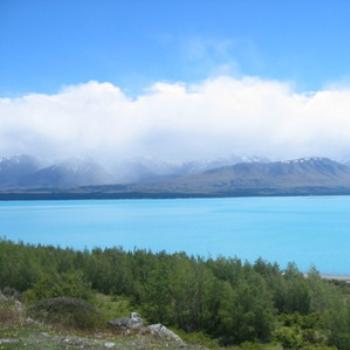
{"x":30,"y":321}
{"x":8,"y":341}
{"x":161,"y":331}
{"x":132,"y":322}
{"x":3,"y":298}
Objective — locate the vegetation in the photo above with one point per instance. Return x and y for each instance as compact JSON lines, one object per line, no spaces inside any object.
{"x":68,"y":312}
{"x":221,"y":300}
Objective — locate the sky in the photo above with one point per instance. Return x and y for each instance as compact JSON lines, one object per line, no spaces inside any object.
{"x":175,"y":80}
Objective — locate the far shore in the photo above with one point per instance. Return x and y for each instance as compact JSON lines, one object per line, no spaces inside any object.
{"x":334,"y":277}
{"x":62,"y":195}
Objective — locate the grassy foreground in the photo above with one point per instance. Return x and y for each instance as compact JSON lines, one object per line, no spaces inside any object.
{"x":45,"y":338}
{"x":207,"y":302}
{"x":19,"y":331}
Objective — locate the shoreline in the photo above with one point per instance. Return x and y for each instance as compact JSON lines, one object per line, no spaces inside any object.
{"x":334,"y":277}
{"x":53,"y":196}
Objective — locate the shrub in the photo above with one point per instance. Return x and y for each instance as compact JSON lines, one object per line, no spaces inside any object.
{"x":69,"y":284}
{"x":9,"y":314}
{"x":67,"y":312}
{"x":289,"y":337}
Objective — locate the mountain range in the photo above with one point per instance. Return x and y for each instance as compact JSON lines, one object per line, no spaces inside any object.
{"x":23,"y":175}
{"x":25,"y":172}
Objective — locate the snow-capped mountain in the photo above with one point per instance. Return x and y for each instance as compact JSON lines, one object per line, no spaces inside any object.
{"x":144,"y":169}
{"x":27,"y":172}
{"x":15,"y":169}
{"x":212,"y":177}
{"x":305,"y":175}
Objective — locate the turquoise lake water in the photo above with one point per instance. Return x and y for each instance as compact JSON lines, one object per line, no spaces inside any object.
{"x":306,"y":230}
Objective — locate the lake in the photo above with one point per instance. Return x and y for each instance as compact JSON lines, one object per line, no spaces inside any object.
{"x":306,"y":230}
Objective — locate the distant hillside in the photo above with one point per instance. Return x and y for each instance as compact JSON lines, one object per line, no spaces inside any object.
{"x":67,"y":175}
{"x":25,"y":172}
{"x":295,"y":177}
{"x":313,"y":172}
{"x":14,"y":171}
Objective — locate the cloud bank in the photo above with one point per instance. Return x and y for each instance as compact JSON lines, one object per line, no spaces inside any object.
{"x":178,"y":122}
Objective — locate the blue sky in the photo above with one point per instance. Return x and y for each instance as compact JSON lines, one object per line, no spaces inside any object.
{"x":175,"y":80}
{"x":45,"y":45}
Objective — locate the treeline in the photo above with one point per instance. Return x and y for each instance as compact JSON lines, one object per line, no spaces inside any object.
{"x":228,"y":299}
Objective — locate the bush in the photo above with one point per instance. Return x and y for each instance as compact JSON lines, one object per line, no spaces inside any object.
{"x":69,"y":284}
{"x":289,"y":337}
{"x":67,"y":312}
{"x":9,"y":313}
{"x":11,"y":293}
{"x":229,"y":300}
{"x":113,"y":306}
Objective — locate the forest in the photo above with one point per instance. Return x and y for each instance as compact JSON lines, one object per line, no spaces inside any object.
{"x":227,"y":299}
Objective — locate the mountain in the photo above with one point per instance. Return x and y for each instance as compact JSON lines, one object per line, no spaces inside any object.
{"x":301,"y":176}
{"x":144,"y":169}
{"x":68,"y":174}
{"x":15,"y":169}
{"x":78,"y":179}
{"x":197,"y":167}
{"x":25,"y":172}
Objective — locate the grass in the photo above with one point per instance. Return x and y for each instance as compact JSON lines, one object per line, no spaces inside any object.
{"x":112,"y":307}
{"x":48,"y":337}
{"x":201,"y":339}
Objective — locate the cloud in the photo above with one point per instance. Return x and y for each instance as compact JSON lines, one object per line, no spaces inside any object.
{"x":213,"y":56}
{"x":178,"y":122}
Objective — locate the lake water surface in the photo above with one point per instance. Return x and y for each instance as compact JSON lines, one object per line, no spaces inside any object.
{"x":307,"y":230}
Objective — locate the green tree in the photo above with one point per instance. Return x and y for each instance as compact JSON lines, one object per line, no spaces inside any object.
{"x":69,"y":284}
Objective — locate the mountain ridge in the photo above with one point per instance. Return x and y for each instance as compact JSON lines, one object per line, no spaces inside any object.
{"x":304,"y":176}
{"x":303,"y":173}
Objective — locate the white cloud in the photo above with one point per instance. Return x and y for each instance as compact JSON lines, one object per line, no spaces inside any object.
{"x":217,"y":117}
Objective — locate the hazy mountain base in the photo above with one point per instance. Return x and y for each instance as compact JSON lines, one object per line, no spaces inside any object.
{"x":315,"y":176}
{"x":112,"y":192}
{"x":25,"y":171}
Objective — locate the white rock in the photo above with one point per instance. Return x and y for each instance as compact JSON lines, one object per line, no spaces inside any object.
{"x":8,"y":341}
{"x":163,"y":332}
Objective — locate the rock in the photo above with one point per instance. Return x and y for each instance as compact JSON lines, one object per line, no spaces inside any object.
{"x":3,"y":298}
{"x":8,"y":341}
{"x":124,"y":323}
{"x":77,"y":342}
{"x":30,"y":321}
{"x":163,"y":332}
{"x":18,"y":306}
{"x":109,"y":345}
